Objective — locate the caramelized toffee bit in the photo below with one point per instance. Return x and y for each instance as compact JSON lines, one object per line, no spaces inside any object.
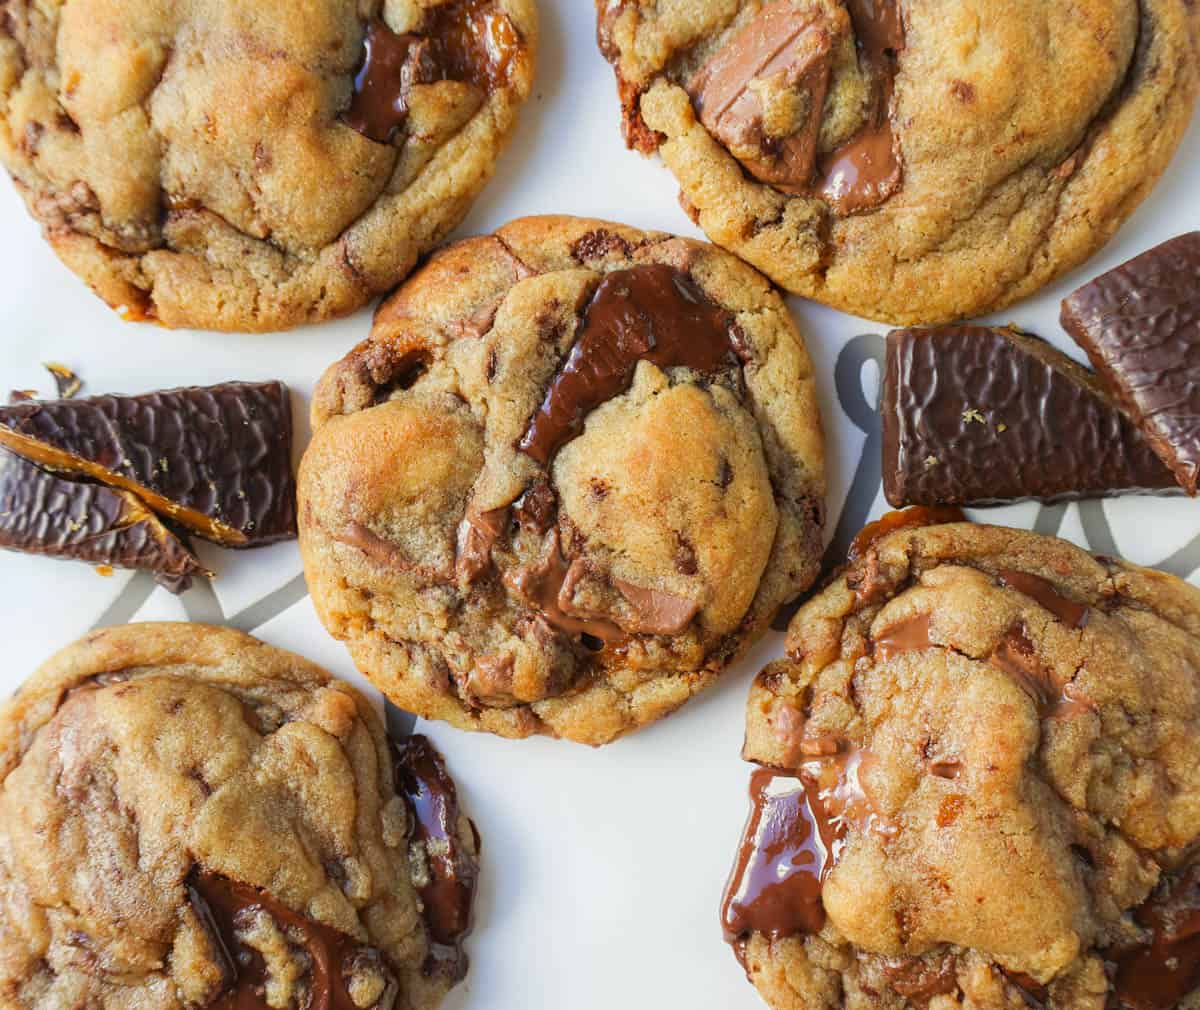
{"x":762,"y":94}
{"x":477,"y":534}
{"x":448,"y":893}
{"x":786,"y":853}
{"x":1160,"y":972}
{"x":65,"y":381}
{"x":653,"y":312}
{"x":1140,"y":326}
{"x":547,"y":587}
{"x":229,"y":911}
{"x":865,"y":171}
{"x":1006,"y":417}
{"x":910,"y":518}
{"x":1070,"y":613}
{"x":216,"y":459}
{"x":909,"y":635}
{"x":41,"y":513}
{"x":945,"y":768}
{"x":464,"y":40}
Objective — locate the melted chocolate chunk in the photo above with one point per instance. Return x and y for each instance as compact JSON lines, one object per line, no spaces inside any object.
{"x":975,"y":415}
{"x":227,"y":910}
{"x":909,"y":635}
{"x":921,"y":978}
{"x":1070,"y":613}
{"x":448,"y":896}
{"x":477,"y":535}
{"x":653,"y":312}
{"x":42,"y":513}
{"x":763,"y":93}
{"x":464,"y":40}
{"x":901,"y":519}
{"x":1158,"y":973}
{"x":865,"y":171}
{"x":1140,"y":326}
{"x":658,"y":612}
{"x":537,"y":507}
{"x":214,"y":459}
{"x":1054,"y":697}
{"x":786,"y":853}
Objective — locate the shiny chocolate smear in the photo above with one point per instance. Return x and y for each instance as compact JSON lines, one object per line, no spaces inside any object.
{"x":909,"y":635}
{"x":786,"y":853}
{"x":902,"y":519}
{"x":464,"y":40}
{"x":1070,"y":613}
{"x":653,"y":312}
{"x":865,"y":171}
{"x":226,"y":907}
{"x":448,"y":896}
{"x":1159,"y":973}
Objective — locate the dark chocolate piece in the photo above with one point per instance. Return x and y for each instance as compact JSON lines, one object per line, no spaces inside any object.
{"x":42,"y":513}
{"x":215,"y":459}
{"x":226,"y":909}
{"x":974,"y":415}
{"x":449,"y":895}
{"x":1140,"y":326}
{"x":1072,"y":614}
{"x":653,"y":312}
{"x":465,"y":40}
{"x":65,"y":381}
{"x":1161,"y":971}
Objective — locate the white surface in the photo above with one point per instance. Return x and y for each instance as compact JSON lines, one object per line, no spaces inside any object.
{"x":602,"y":869}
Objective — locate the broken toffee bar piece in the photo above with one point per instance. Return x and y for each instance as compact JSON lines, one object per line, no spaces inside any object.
{"x":41,"y":513}
{"x":215,"y":459}
{"x":975,"y":415}
{"x":1140,"y":326}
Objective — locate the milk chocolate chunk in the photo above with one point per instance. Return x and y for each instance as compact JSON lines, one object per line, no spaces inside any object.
{"x":448,"y":895}
{"x":975,"y":415}
{"x":1162,"y":970}
{"x":762,"y":94}
{"x":1140,"y":326}
{"x":216,"y":459}
{"x":653,"y":312}
{"x":465,"y":40}
{"x":42,"y":513}
{"x":337,"y":966}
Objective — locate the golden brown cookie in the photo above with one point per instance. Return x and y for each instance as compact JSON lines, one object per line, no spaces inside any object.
{"x":240,"y":165}
{"x":570,"y":476}
{"x":191,"y":818}
{"x":979,"y":784}
{"x":912,"y":161}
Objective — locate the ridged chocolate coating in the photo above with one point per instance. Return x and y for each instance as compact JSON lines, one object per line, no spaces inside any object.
{"x":1140,"y":326}
{"x":41,"y":513}
{"x":216,"y":459}
{"x":974,"y":415}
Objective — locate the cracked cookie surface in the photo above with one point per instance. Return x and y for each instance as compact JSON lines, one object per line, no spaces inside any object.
{"x":251,"y":166}
{"x":994,"y":738}
{"x":911,"y":161}
{"x":571,"y":474}
{"x":191,"y":818}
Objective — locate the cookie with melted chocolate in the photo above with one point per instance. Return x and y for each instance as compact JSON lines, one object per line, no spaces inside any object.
{"x":911,"y":161}
{"x":568,"y":478}
{"x":977,"y":782}
{"x":255,"y":166}
{"x":191,"y":818}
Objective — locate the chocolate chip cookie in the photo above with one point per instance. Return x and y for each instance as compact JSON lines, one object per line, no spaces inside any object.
{"x":251,"y":166}
{"x":979,"y":783}
{"x":570,"y":475}
{"x":191,"y":818}
{"x":912,"y":161}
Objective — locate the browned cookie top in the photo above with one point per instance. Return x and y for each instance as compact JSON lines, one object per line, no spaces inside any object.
{"x":253,"y":165}
{"x":191,"y":818}
{"x":913,"y":161}
{"x":573,"y":471}
{"x":980,"y":783}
